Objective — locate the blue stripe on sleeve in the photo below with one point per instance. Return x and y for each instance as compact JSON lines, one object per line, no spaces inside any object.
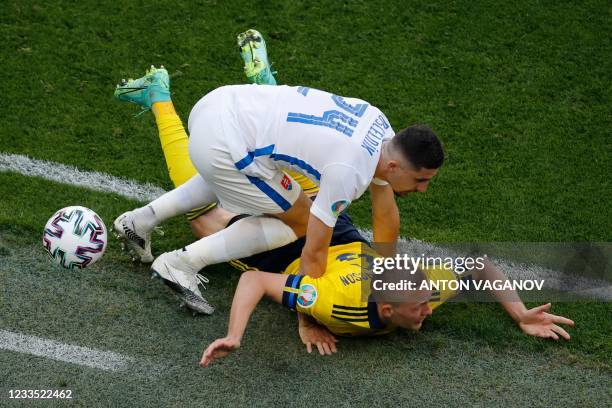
{"x":248,"y":159}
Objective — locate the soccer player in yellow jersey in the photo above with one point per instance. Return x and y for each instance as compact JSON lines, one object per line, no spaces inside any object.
{"x":340,"y":300}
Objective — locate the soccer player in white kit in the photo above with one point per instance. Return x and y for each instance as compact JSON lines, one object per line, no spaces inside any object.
{"x":243,"y":137}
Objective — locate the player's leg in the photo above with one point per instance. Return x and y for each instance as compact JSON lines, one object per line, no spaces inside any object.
{"x":259,"y":233}
{"x":152,"y":92}
{"x":255,"y":56}
{"x":258,"y":70}
{"x":214,"y":250}
{"x":245,"y":237}
{"x":212,"y":221}
{"x":240,"y":193}
{"x":134,"y":227}
{"x":179,"y":269}
{"x":204,"y":220}
{"x":253,"y":50}
{"x":218,"y":177}
{"x":174,"y":142}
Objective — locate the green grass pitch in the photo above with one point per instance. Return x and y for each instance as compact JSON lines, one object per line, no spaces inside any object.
{"x":518,"y":91}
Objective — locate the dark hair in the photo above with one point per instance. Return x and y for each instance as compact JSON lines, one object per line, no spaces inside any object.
{"x":420,"y":145}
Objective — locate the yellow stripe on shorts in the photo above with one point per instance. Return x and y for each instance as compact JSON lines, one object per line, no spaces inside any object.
{"x":196,"y":212}
{"x":308,"y":186}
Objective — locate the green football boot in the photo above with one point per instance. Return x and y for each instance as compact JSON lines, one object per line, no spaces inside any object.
{"x":145,"y":91}
{"x":256,"y":64}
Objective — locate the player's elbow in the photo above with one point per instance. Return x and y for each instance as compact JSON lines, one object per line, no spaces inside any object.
{"x":260,"y":284}
{"x":315,"y":273}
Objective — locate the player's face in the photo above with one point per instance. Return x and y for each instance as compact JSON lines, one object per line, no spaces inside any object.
{"x":410,"y":315}
{"x":407,"y":180}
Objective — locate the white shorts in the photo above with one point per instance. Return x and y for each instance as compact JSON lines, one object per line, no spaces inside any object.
{"x":236,"y":191}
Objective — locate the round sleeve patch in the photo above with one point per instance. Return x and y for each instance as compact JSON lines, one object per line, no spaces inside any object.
{"x":339,"y":206}
{"x":307,"y":295}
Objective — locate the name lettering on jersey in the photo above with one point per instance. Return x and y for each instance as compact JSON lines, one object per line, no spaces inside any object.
{"x":354,"y":277}
{"x":371,"y":141}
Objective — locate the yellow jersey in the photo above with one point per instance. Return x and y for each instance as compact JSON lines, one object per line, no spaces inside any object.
{"x":337,"y":299}
{"x":340,"y":299}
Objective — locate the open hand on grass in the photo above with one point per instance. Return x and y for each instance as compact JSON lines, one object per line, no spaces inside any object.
{"x":313,"y":333}
{"x":539,"y":323}
{"x":218,"y":349}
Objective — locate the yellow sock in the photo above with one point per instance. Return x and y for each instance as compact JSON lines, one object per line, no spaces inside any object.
{"x":174,"y":142}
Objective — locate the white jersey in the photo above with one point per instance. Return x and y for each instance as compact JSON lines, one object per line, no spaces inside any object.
{"x":334,"y":141}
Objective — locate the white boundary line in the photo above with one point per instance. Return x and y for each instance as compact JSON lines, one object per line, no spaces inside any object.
{"x":146,"y":192}
{"x":91,"y":180}
{"x":55,"y":350}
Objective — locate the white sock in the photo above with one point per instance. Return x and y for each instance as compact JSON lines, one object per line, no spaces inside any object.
{"x":192,"y":194}
{"x":246,"y":237}
{"x":144,"y":217}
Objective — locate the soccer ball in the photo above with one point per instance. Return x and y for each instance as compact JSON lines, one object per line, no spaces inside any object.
{"x":75,"y":237}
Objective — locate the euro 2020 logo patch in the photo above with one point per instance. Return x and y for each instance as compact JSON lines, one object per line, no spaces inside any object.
{"x":307,"y":295}
{"x":338,"y":207}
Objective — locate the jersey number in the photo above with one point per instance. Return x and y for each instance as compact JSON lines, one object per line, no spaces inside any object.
{"x":333,"y":119}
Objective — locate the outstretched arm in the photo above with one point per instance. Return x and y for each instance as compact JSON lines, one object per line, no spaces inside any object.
{"x":534,"y":322}
{"x":251,"y":288}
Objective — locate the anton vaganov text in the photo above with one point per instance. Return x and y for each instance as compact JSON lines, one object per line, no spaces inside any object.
{"x":459,"y":285}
